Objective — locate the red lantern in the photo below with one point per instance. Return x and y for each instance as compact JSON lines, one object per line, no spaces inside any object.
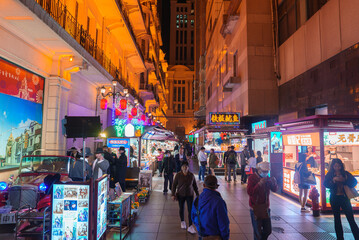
{"x":118,"y":112}
{"x":103,"y":104}
{"x":143,"y":117}
{"x":130,"y":117}
{"x":123,"y":104}
{"x":134,"y":112}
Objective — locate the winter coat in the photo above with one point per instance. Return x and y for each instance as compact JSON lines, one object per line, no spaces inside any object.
{"x":212,"y":160}
{"x":184,"y":185}
{"x":76,"y":170}
{"x":100,"y":168}
{"x":121,"y":168}
{"x":350,"y":181}
{"x":179,"y":162}
{"x":168,"y":165}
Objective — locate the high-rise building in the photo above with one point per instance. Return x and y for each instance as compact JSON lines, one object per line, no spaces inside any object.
{"x":181,"y":79}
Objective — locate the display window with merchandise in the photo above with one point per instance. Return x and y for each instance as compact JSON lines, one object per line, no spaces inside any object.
{"x":320,"y":139}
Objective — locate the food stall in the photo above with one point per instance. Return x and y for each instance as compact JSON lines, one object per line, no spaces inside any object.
{"x":321,"y":138}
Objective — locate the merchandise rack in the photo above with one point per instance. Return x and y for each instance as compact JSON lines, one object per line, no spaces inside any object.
{"x":36,"y":219}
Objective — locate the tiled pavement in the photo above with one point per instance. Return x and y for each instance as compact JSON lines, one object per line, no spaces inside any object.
{"x":159,"y":218}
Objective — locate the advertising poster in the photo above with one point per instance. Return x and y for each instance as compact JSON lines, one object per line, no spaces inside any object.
{"x":276,"y":142}
{"x":21,"y":97}
{"x":70,"y":212}
{"x":341,"y":138}
{"x":101,"y":207}
{"x":145,"y":179}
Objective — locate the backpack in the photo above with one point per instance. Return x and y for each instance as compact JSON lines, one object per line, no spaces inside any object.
{"x":232,"y":158}
{"x":297,"y":175}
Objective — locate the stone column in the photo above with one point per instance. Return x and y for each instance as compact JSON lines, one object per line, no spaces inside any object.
{"x":55,"y":109}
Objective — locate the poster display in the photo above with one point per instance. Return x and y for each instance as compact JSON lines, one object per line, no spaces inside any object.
{"x":70,"y":212}
{"x":145,"y":179}
{"x":21,"y":98}
{"x":276,"y":142}
{"x":101,"y":207}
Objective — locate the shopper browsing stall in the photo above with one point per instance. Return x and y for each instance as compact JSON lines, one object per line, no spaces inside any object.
{"x":183,"y":189}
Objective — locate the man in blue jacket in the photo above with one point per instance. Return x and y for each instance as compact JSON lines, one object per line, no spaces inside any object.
{"x":212,"y":217}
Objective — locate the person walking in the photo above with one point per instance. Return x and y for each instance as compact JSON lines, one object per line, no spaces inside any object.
{"x":179,"y":158}
{"x":258,"y":189}
{"x":302,"y":169}
{"x":259,"y":157}
{"x":213,"y":162}
{"x":244,"y":161}
{"x":183,"y":189}
{"x":121,"y":169}
{"x":231,"y":164}
{"x":202,"y":160}
{"x":209,"y":212}
{"x":168,"y":169}
{"x":159,"y":161}
{"x":225,"y":159}
{"x":252,"y":162}
{"x":337,"y":179}
{"x":76,"y":172}
{"x":100,"y":166}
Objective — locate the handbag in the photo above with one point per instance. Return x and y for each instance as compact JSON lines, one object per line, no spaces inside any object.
{"x":350,"y":192}
{"x":248,"y":170}
{"x":310,"y":180}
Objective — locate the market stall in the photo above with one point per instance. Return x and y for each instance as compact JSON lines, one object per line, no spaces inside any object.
{"x":320,"y":138}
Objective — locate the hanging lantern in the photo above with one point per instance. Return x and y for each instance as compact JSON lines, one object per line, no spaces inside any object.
{"x":143,"y":117}
{"x":134,"y":112}
{"x":130,"y":117}
{"x":123,"y":104}
{"x":118,"y":112}
{"x":103,"y":104}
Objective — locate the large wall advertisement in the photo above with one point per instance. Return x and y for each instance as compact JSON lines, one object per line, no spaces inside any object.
{"x":21,"y":98}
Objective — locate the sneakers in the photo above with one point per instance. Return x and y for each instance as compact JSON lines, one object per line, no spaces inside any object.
{"x":304,"y":209}
{"x":191,"y":230}
{"x":183,"y":225}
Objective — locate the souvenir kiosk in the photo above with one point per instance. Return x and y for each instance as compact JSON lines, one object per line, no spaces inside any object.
{"x":321,"y":138}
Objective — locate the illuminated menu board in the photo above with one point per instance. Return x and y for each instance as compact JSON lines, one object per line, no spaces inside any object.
{"x":101,"y":207}
{"x":70,"y":212}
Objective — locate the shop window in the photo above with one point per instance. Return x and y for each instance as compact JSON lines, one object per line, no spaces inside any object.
{"x":192,"y":37}
{"x":226,"y":62}
{"x":177,"y":36}
{"x":185,"y":37}
{"x":192,"y":54}
{"x":235,"y":64}
{"x":185,"y":54}
{"x":175,"y":94}
{"x":183,"y":94}
{"x":176,"y":53}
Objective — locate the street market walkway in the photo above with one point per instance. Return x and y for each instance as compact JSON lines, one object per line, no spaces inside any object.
{"x":159,"y":218}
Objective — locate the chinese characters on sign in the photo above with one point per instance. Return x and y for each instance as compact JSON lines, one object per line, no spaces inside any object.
{"x":307,"y":139}
{"x":341,"y":138}
{"x":224,"y":118}
{"x":258,"y":125}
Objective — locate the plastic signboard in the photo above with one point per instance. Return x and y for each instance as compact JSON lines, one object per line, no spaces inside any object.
{"x":70,"y":212}
{"x":276,"y":142}
{"x":102,"y":190}
{"x":258,"y":125}
{"x":341,"y":138}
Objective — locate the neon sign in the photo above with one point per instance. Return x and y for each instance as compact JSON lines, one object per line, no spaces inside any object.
{"x":258,"y":125}
{"x":224,"y":118}
{"x":135,"y":127}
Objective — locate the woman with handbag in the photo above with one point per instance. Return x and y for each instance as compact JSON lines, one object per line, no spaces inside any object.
{"x":183,"y":189}
{"x":304,"y":173}
{"x":258,"y":189}
{"x":341,"y":184}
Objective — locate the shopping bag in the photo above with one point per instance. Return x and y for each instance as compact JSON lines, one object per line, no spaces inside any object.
{"x":247,"y":168}
{"x":310,"y":180}
{"x":350,"y":192}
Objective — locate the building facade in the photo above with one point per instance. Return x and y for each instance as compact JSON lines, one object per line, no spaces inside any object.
{"x":181,"y":79}
{"x":318,"y":58}
{"x":56,"y":56}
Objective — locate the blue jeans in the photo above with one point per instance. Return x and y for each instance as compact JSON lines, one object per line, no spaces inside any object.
{"x":231,"y":167}
{"x":202,"y":171}
{"x":262,"y":228}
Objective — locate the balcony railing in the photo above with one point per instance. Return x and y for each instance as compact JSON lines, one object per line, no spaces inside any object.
{"x":58,"y":11}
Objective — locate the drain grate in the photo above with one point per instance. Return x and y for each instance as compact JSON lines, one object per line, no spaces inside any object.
{"x":329,"y":227}
{"x":318,"y":236}
{"x":276,"y":218}
{"x":278,"y":229}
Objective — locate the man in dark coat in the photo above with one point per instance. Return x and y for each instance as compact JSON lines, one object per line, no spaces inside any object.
{"x":180,"y":158}
{"x":111,"y":158}
{"x":121,"y":168}
{"x":168,"y":167}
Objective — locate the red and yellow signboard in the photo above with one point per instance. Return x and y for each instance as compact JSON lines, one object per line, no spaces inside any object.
{"x":305,"y":139}
{"x":224,"y":118}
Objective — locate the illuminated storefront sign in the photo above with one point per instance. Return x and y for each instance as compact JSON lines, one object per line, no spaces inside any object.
{"x":118,"y":142}
{"x":134,"y":128}
{"x":341,"y":138}
{"x":258,"y":125}
{"x":276,"y":142}
{"x":306,"y":139}
{"x":224,"y":118}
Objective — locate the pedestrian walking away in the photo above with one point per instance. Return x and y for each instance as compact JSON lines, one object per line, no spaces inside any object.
{"x":202,"y":160}
{"x":244,"y":161}
{"x":213,"y":162}
{"x":258,"y":189}
{"x":209,"y":212}
{"x":168,"y":169}
{"x":183,"y":189}
{"x":121,"y":169}
{"x":340,"y":182}
{"x":225,"y":160}
{"x":231,"y":165}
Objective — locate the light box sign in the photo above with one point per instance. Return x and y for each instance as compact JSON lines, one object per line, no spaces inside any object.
{"x":276,"y":142}
{"x":305,"y":139}
{"x":101,"y":207}
{"x":224,"y":118}
{"x":70,"y":212}
{"x":118,"y":142}
{"x":258,"y":125}
{"x":341,"y":138}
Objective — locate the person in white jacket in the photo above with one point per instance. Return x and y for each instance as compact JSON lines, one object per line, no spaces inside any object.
{"x":202,"y":160}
